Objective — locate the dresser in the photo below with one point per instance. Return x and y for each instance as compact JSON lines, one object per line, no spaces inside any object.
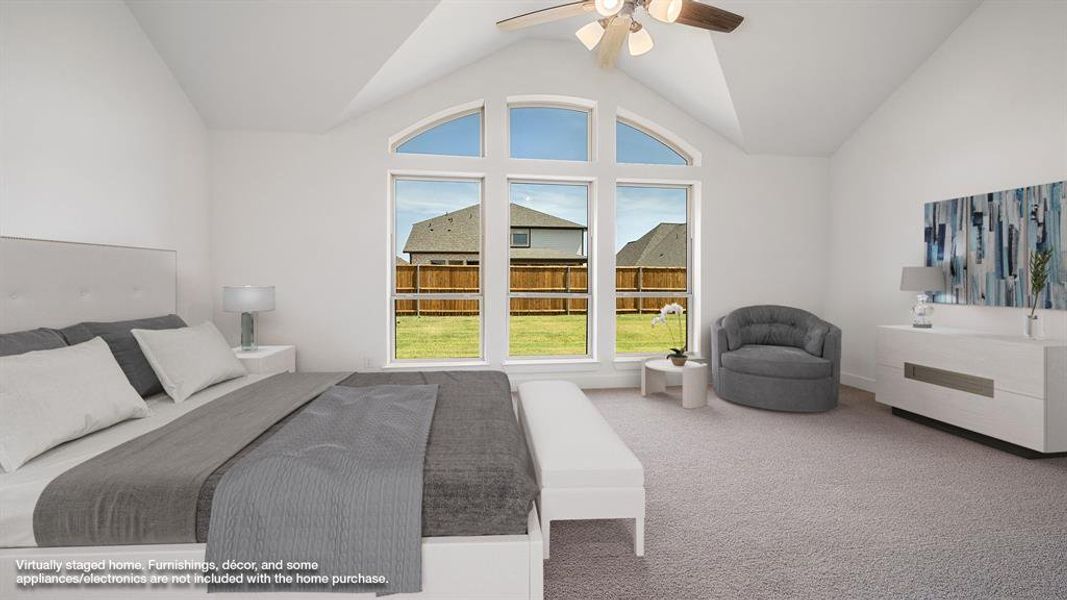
{"x":1009,"y":388}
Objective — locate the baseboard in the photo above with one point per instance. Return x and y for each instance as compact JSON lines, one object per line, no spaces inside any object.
{"x":974,"y":436}
{"x":859,"y":381}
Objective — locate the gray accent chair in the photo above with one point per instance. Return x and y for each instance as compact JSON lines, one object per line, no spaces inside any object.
{"x":777,"y":358}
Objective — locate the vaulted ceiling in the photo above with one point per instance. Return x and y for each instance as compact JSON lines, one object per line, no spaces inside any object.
{"x":798,"y":77}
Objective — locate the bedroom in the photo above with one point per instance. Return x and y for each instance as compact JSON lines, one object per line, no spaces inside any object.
{"x":420,"y":196}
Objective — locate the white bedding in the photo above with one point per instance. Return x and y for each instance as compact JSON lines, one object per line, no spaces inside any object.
{"x":20,"y":490}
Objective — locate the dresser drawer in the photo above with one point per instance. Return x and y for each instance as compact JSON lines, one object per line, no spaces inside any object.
{"x":1015,"y":418}
{"x":1015,"y":367}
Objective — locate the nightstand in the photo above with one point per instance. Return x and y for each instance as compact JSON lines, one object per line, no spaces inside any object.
{"x":268,"y":359}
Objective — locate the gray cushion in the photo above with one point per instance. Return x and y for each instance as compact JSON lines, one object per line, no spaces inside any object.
{"x":21,"y":342}
{"x":777,"y":361}
{"x":125,"y":348}
{"x":773,"y":325}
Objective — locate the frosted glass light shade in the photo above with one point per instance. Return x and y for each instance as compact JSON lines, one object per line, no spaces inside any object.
{"x":640,"y":42}
{"x":608,"y":7}
{"x":248,"y":298}
{"x":665,"y":10}
{"x":590,"y":34}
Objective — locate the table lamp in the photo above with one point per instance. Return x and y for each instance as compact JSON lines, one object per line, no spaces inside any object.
{"x":925,"y":280}
{"x":248,"y":300}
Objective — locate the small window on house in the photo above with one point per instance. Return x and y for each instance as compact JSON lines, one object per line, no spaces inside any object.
{"x":635,"y":146}
{"x":520,"y":238}
{"x":459,"y":136}
{"x":549,"y":133}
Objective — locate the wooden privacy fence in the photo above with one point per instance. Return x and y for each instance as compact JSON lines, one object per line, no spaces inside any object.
{"x":463,"y":279}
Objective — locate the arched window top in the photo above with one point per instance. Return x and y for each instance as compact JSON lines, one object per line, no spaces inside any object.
{"x":549,"y":132}
{"x":640,"y":141}
{"x":456,"y":132}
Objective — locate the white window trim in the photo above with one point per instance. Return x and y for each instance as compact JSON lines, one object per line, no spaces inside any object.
{"x":392,"y":296}
{"x":589,"y":107}
{"x":692,"y":211}
{"x":439,"y":118}
{"x":657,"y":131}
{"x":590,"y":295}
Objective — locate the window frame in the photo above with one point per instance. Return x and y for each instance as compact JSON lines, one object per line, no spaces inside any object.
{"x":440,"y":118}
{"x":589,"y":295}
{"x":692,"y":199}
{"x":522,"y":230}
{"x":393,"y":296}
{"x":562,"y":102}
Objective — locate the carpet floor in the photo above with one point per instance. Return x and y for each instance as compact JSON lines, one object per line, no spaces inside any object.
{"x":853,"y":503}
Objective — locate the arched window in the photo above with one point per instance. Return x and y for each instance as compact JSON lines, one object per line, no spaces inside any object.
{"x":637,"y":146}
{"x":549,"y":132}
{"x":458,"y":136}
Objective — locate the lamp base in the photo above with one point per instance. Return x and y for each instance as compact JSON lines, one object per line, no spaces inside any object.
{"x":248,"y":332}
{"x":921,"y":313}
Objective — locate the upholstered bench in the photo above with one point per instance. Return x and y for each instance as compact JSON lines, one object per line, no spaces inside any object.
{"x":584,"y":469}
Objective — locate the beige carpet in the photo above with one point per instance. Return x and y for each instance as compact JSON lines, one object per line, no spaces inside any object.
{"x":854,"y":503}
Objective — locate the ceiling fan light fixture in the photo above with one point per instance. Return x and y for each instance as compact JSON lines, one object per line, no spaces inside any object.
{"x":589,"y":35}
{"x":665,"y":10}
{"x":608,"y":8}
{"x":640,"y":41}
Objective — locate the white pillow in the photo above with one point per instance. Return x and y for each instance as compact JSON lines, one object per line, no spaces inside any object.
{"x":48,"y":397}
{"x":188,"y":359}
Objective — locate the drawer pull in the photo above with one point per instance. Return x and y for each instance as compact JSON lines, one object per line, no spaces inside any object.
{"x":949,"y":379}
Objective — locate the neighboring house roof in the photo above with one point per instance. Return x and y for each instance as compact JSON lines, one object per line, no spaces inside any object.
{"x":458,"y":231}
{"x":662,"y":246}
{"x":401,"y":261}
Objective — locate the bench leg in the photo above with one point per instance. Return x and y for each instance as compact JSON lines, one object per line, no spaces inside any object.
{"x":545,"y":527}
{"x":639,"y":534}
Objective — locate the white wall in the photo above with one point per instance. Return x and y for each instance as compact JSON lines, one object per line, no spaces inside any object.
{"x":986,"y":112}
{"x":308,"y":213}
{"x":97,"y":141}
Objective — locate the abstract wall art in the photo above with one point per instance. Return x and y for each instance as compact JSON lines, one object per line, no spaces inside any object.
{"x":983,"y":243}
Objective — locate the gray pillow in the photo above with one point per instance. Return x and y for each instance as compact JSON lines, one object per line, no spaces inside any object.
{"x":124,"y":346}
{"x":21,"y":342}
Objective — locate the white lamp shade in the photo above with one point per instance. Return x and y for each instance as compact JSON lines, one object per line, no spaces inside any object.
{"x":590,"y":34}
{"x":665,"y":10}
{"x":640,"y":42}
{"x":922,"y":279}
{"x":608,"y":7}
{"x":248,"y":298}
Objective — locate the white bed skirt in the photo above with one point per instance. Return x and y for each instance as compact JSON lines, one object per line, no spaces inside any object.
{"x":497,"y":567}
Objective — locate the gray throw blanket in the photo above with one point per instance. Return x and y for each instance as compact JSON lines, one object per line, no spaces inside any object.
{"x":339,"y":485}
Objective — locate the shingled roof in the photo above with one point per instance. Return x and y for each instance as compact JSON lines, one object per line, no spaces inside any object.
{"x":662,"y":246}
{"x":457,"y":231}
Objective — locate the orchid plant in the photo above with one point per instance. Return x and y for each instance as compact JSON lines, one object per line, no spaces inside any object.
{"x":677,"y":333}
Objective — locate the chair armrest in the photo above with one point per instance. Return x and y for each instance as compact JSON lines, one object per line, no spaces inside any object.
{"x":719,"y":345}
{"x":831,"y":350}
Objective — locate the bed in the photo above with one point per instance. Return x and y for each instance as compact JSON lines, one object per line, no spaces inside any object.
{"x":476,"y":544}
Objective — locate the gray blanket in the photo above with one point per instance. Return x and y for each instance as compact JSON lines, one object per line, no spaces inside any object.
{"x":145,"y":491}
{"x":340,"y":485}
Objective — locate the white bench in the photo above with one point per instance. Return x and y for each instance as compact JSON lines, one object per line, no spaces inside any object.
{"x":584,"y":470}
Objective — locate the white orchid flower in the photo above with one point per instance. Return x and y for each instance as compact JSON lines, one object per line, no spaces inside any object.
{"x":672,"y":308}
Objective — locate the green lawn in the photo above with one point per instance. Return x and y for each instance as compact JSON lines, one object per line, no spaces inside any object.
{"x":554,"y":335}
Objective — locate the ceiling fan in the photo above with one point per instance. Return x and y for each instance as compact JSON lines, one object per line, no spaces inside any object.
{"x":617,"y":23}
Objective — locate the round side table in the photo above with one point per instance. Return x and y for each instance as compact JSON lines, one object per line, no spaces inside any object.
{"x":694,"y":380}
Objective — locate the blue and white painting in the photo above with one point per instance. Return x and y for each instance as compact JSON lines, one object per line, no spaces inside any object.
{"x":984,"y":244}
{"x":946,"y":246}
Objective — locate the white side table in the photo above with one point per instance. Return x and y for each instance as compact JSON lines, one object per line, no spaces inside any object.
{"x":694,"y":380}
{"x":268,"y":359}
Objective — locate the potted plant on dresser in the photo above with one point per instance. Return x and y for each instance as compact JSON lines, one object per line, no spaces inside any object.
{"x":1038,"y":280}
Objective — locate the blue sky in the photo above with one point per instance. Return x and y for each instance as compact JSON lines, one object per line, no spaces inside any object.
{"x":540,"y":133}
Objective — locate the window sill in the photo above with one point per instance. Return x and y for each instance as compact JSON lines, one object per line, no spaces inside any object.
{"x":434,"y":364}
{"x":583,"y":362}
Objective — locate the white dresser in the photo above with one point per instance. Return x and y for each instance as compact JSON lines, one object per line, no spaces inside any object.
{"x":1009,"y":388}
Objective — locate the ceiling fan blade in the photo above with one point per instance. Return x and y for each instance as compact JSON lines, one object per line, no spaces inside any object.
{"x":547,"y":15}
{"x":696,"y":14}
{"x":614,"y":37}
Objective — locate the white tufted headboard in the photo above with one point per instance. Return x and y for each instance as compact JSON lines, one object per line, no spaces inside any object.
{"x":54,"y":284}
